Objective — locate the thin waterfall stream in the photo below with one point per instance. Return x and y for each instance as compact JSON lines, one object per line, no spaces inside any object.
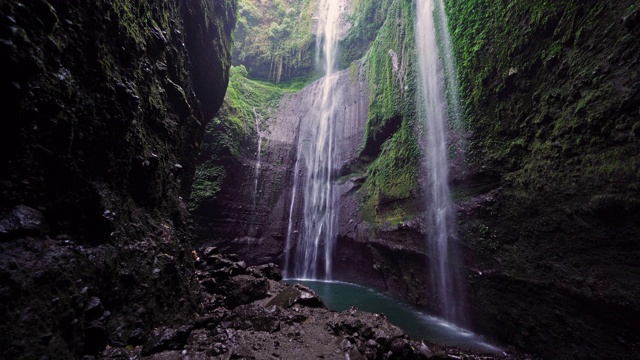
{"x":316,"y":160}
{"x":445,"y":271}
{"x":253,"y":226}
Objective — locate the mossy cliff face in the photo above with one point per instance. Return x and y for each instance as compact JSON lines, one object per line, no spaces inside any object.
{"x":104,"y":110}
{"x":382,"y":238}
{"x":550,"y":217}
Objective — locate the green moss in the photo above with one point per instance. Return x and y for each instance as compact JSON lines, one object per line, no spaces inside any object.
{"x":366,"y":19}
{"x":388,"y":194}
{"x":227,"y":135}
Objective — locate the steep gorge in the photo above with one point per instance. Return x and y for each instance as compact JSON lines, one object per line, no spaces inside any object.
{"x":107,"y":145}
{"x":547,"y":194}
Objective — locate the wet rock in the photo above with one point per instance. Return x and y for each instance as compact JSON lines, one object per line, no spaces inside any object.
{"x":239,"y":267}
{"x":218,"y":262}
{"x":217,"y":349}
{"x":211,"y":319}
{"x":242,"y":352}
{"x":297,"y":294}
{"x":22,"y":220}
{"x":371,"y":349}
{"x":159,"y":40}
{"x":209,"y":285}
{"x":115,"y":353}
{"x":270,"y":271}
{"x":46,"y":14}
{"x":632,"y":20}
{"x":177,"y":97}
{"x":425,"y":351}
{"x":401,"y":348}
{"x":243,"y":289}
{"x":93,"y":310}
{"x":166,"y":339}
{"x":211,"y":250}
{"x":167,"y":355}
{"x":346,"y":345}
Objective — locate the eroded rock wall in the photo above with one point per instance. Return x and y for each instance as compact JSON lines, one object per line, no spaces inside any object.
{"x":254,"y":223}
{"x":104,"y":108}
{"x":550,"y":215}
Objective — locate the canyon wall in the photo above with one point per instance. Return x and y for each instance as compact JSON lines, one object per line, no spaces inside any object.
{"x":103,"y":113}
{"x":550,"y":212}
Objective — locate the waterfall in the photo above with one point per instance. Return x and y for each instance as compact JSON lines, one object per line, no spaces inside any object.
{"x":313,"y":245}
{"x":253,"y":230}
{"x":442,"y":238}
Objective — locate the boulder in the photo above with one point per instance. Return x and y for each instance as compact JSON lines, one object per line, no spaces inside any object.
{"x":22,"y":220}
{"x":243,"y":289}
{"x":270,"y":271}
{"x":297,"y":294}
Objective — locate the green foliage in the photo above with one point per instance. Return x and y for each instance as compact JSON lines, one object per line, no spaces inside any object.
{"x":366,"y":19}
{"x":392,"y":90}
{"x":234,"y":126}
{"x":484,"y":32}
{"x":527,"y":72}
{"x":274,"y":39}
{"x":392,"y":178}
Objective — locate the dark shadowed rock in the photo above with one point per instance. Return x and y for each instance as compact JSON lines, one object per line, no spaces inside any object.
{"x":91,"y":148}
{"x":93,"y":310}
{"x":115,"y":353}
{"x":243,"y":289}
{"x":137,"y":337}
{"x":166,"y":339}
{"x":211,"y":250}
{"x":270,"y":271}
{"x":22,"y":220}
{"x":96,"y":337}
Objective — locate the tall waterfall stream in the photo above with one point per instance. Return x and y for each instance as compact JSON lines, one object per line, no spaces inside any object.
{"x":308,"y":252}
{"x":441,"y":216}
{"x":316,"y":160}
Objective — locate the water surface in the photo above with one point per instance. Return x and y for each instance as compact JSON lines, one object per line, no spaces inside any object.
{"x":341,"y":296}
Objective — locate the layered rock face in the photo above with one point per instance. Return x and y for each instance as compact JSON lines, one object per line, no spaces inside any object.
{"x":258,"y":231}
{"x":104,"y":109}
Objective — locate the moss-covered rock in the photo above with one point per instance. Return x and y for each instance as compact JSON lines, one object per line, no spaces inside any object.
{"x":551,"y":96}
{"x":106,"y":108}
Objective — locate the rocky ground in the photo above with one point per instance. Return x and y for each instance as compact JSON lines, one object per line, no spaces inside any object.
{"x":248,"y":314}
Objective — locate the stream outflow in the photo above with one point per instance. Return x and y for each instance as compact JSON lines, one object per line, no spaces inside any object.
{"x":339,"y":296}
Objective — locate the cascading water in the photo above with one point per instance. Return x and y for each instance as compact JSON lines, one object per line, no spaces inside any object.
{"x":442,"y":233}
{"x":316,"y":158}
{"x":253,"y":227}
